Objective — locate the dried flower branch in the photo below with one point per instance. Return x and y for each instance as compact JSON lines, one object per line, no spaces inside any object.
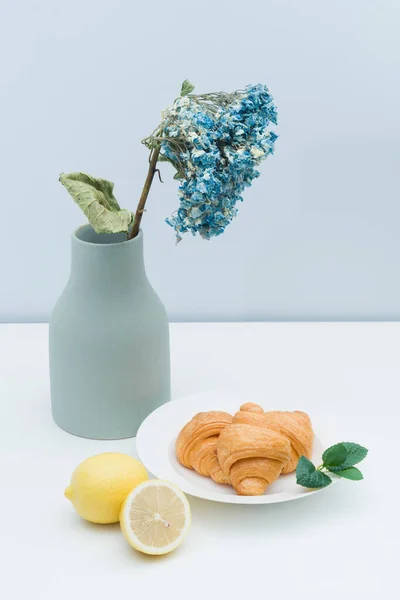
{"x":215,"y":142}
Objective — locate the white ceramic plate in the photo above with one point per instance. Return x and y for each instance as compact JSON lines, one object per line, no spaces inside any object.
{"x":155,"y":444}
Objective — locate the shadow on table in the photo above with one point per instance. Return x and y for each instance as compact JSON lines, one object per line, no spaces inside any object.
{"x":339,"y":503}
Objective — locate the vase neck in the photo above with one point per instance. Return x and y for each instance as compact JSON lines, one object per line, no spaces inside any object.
{"x":106,"y":261}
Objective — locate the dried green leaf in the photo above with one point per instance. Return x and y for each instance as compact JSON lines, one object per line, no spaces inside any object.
{"x":179,"y":175}
{"x":179,"y":171}
{"x":162,"y":158}
{"x":187,"y":88}
{"x":96,"y":199}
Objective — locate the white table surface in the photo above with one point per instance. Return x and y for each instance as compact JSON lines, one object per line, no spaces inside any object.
{"x":341,"y":543}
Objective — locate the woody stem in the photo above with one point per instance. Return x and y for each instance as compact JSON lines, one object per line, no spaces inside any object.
{"x":145,"y":192}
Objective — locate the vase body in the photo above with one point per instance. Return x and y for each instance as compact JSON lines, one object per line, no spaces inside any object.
{"x":108,"y":340}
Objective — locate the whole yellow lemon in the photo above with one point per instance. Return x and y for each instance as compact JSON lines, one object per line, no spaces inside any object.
{"x":100,"y":484}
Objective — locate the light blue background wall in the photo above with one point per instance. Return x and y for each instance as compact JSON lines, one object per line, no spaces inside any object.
{"x":318,"y":235}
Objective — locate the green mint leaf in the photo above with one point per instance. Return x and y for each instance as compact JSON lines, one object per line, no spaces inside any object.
{"x":351,"y":473}
{"x":315,"y":480}
{"x":308,"y":476}
{"x":355,"y":454}
{"x":96,"y":199}
{"x":334,"y":456}
{"x":304,"y":467}
{"x":187,"y":88}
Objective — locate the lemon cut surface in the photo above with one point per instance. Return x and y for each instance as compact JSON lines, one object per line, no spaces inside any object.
{"x":155,"y":517}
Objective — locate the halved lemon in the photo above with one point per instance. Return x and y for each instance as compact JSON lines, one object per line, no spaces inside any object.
{"x":155,"y":517}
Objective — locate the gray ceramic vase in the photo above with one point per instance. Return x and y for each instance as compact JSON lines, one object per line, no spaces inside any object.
{"x":109,"y":340}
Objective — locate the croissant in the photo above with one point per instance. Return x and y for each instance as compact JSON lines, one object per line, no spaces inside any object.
{"x":252,"y":457}
{"x":196,"y":444}
{"x":296,"y":426}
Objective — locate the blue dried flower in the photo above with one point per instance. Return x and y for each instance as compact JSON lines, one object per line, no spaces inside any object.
{"x":215,"y":142}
